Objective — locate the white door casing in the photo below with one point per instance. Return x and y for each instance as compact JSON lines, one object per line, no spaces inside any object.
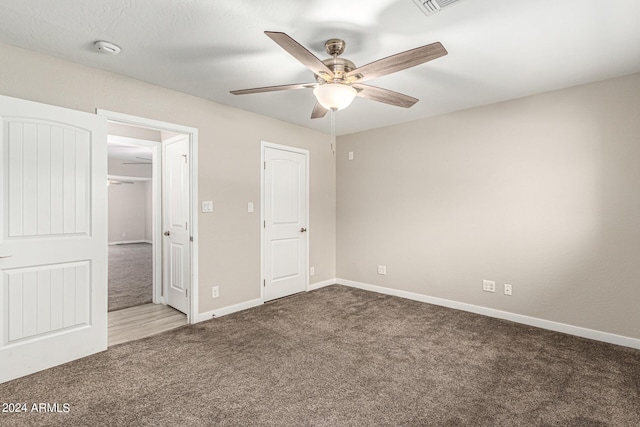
{"x":53,"y":236}
{"x":158,"y":225}
{"x":176,"y":218}
{"x":285,"y":221}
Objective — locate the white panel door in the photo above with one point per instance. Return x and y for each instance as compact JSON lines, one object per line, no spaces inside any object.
{"x":53,"y":236}
{"x":176,"y":210}
{"x":285,"y":222}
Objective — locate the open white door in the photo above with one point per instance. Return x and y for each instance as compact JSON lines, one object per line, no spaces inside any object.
{"x":285,"y":221}
{"x":176,"y":222}
{"x":53,"y":236}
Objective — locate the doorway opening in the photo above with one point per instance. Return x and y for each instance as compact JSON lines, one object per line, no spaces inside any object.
{"x":130,"y":216}
{"x":152,"y":226}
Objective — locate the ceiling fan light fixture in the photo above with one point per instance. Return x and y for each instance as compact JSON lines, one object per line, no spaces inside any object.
{"x":335,"y":96}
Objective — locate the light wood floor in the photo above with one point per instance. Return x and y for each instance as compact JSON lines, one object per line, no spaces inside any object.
{"x":133,"y":323}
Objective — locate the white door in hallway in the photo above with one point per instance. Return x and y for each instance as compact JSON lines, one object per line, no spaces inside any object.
{"x":176,"y":218}
{"x":285,"y":201}
{"x":53,"y":236}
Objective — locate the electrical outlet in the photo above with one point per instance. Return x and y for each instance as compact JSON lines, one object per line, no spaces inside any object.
{"x":488,"y":286}
{"x":312,"y":271}
{"x":382,"y":269}
{"x":507,"y":289}
{"x":215,"y":292}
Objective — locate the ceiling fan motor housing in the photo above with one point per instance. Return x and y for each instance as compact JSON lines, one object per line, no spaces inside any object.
{"x":339,"y":66}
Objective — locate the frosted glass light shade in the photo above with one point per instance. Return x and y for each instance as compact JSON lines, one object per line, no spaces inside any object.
{"x":334,"y":96}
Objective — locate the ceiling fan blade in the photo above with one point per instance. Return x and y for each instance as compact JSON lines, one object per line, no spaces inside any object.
{"x":398,"y":62}
{"x":274,"y":88}
{"x":384,"y":95}
{"x":299,"y":52}
{"x":318,"y":111}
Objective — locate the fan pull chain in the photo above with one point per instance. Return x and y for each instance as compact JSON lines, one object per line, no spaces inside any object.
{"x":333,"y":131}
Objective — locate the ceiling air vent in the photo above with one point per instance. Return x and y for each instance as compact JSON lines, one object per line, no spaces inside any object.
{"x":429,"y":7}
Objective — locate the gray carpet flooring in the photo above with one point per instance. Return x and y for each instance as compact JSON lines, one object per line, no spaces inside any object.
{"x":130,"y":275}
{"x":339,"y":356}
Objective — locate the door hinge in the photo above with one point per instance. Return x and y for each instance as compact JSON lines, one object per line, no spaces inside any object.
{"x":186,"y":226}
{"x":264,"y":225}
{"x":185,"y":158}
{"x":191,"y":238}
{"x":186,"y":293}
{"x":264,"y":282}
{"x":265,"y":165}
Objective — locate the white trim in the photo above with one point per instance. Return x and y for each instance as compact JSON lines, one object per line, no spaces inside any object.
{"x":306,"y":153}
{"x":490,"y":312}
{"x":128,"y":178}
{"x":137,"y":121}
{"x":195,"y":272}
{"x":157,"y":225}
{"x":262,"y":228}
{"x":219,"y":312}
{"x":127,"y":140}
{"x":318,"y":285}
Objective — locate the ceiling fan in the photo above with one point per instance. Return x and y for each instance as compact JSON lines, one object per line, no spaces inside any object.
{"x":339,"y":81}
{"x":118,"y":182}
{"x":145,"y":161}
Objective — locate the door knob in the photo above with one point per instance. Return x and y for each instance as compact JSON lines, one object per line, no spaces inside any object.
{"x":302,"y":230}
{"x":167,"y":233}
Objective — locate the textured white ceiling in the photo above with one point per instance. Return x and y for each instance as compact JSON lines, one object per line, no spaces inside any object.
{"x":498,"y":49}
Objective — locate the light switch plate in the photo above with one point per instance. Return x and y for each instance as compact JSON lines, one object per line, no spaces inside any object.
{"x":207,"y":207}
{"x":250,"y":207}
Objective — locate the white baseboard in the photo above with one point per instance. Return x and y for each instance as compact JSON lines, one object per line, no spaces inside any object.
{"x":518,"y":318}
{"x":126,"y":242}
{"x":250,"y":304}
{"x":318,"y":285}
{"x":219,"y":312}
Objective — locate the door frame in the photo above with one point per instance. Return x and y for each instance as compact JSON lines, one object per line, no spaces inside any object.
{"x":193,"y":214}
{"x":263,"y":146}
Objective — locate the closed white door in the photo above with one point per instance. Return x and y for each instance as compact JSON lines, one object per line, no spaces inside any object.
{"x":176,"y":216}
{"x":53,"y":239}
{"x":285,"y":222}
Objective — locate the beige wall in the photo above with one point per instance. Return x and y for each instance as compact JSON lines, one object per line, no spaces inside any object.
{"x":542,"y":193}
{"x":229,"y":163}
{"x":116,"y":168}
{"x":133,"y":132}
{"x":129,"y":207}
